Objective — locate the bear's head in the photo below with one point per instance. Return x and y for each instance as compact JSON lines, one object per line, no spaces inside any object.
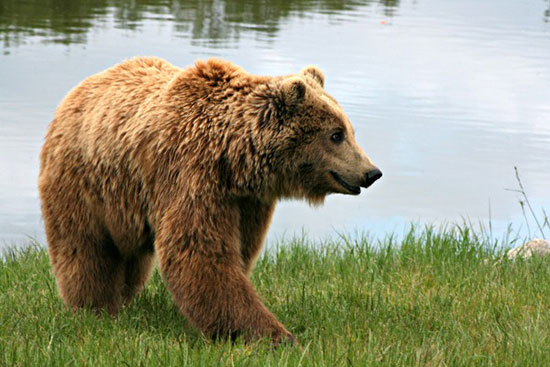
{"x":312,"y":139}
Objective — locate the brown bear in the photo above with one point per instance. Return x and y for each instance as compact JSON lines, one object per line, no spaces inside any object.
{"x":148,"y":159}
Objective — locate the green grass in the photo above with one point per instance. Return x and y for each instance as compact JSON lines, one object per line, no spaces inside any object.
{"x":428,"y":299}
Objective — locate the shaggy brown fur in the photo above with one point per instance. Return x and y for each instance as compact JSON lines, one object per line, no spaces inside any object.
{"x":146,"y":158}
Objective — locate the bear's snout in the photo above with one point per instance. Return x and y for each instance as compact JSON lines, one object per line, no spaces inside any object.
{"x":371,"y":177}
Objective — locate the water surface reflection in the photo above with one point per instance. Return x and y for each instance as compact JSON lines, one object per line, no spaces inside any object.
{"x":214,"y":22}
{"x":445,"y":96}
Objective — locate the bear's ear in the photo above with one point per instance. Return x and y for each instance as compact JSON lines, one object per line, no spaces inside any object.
{"x":314,"y":73}
{"x":293,"y":91}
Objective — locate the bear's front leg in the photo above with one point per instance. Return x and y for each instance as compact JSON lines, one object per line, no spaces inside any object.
{"x":199,"y":255}
{"x":255,"y":217}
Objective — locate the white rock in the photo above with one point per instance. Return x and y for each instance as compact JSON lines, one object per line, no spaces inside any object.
{"x":537,"y":247}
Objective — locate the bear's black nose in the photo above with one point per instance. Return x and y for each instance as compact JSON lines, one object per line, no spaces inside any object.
{"x":371,"y":177}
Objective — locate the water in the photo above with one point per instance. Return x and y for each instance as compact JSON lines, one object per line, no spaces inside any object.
{"x":446,"y":96}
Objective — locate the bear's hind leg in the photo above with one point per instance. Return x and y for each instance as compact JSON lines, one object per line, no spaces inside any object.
{"x":137,"y":270}
{"x":89,"y":272}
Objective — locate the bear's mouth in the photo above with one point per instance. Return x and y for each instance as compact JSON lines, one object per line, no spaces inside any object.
{"x":355,"y":190}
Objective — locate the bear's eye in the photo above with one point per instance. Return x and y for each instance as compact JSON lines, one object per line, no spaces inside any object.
{"x":337,"y":137}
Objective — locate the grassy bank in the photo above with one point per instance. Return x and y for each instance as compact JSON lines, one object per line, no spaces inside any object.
{"x":430,"y":299}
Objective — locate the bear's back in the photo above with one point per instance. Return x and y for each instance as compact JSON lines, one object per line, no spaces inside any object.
{"x":115,"y":94}
{"x":100,"y":116}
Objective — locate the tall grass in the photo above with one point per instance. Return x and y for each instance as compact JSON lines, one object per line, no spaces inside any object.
{"x":542,"y":225}
{"x":429,"y":298}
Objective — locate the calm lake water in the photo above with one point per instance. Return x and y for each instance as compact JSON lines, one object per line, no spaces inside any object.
{"x":446,"y":96}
